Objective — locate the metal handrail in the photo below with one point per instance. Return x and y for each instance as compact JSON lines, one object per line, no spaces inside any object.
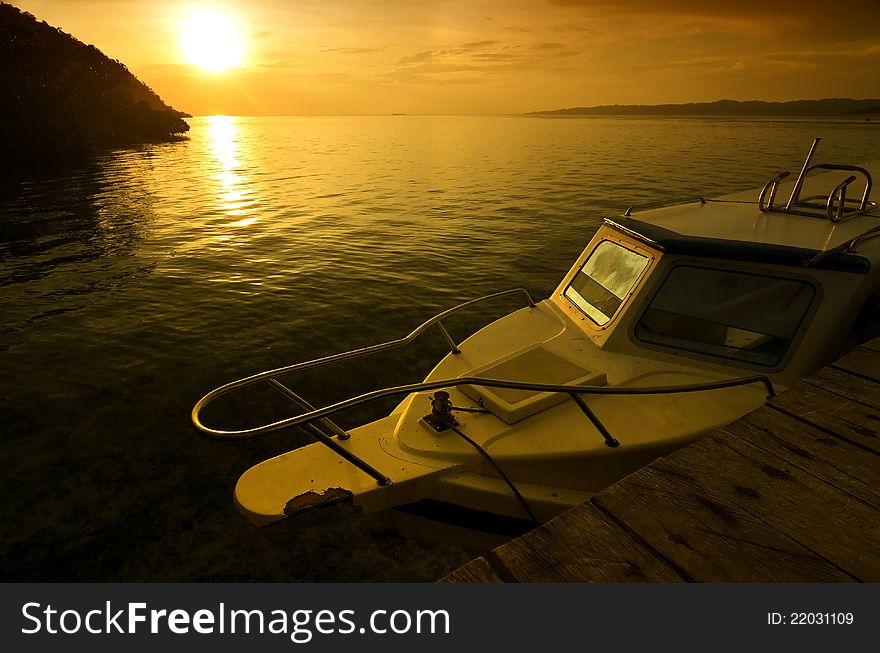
{"x":863,"y":204}
{"x":771,"y":186}
{"x":662,"y":204}
{"x":799,"y":182}
{"x":848,"y":246}
{"x":838,"y":195}
{"x":827,"y":209}
{"x":347,"y":355}
{"x":406,"y":389}
{"x":871,"y":233}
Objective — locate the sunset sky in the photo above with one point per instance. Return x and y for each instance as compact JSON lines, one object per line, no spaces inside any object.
{"x":478,"y":56}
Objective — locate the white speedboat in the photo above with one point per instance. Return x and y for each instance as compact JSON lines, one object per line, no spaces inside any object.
{"x":674,"y":321}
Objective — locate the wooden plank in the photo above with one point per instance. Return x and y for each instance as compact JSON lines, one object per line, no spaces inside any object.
{"x":863,"y":361}
{"x":702,"y":531}
{"x":846,"y":385}
{"x":477,"y":570}
{"x":873,"y":345}
{"x":809,"y":511}
{"x":519,"y":562}
{"x":847,"y":467}
{"x":852,"y":420}
{"x":584,"y":546}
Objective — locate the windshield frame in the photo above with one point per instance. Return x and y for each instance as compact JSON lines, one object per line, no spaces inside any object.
{"x":648,"y":254}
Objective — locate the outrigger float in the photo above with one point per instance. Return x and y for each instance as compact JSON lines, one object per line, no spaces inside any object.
{"x":674,"y":321}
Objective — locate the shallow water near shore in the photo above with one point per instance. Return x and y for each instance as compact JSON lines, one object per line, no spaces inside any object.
{"x":136,"y":283}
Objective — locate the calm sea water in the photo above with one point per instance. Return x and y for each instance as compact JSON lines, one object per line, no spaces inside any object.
{"x":133,"y":285}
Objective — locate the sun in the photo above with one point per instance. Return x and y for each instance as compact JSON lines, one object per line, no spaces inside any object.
{"x":211,"y":40}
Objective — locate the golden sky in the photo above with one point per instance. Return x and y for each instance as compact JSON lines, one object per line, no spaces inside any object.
{"x":485,"y":56}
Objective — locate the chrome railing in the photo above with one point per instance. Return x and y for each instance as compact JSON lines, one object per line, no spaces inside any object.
{"x":662,"y":204}
{"x":270,"y":376}
{"x":799,"y":182}
{"x":424,"y":386}
{"x":574,"y":391}
{"x":849,"y":246}
{"x":770,"y":187}
{"x":833,"y":207}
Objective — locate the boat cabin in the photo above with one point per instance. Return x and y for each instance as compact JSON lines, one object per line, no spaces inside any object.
{"x":723,"y":282}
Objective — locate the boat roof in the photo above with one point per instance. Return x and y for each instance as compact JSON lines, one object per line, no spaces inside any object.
{"x":734,"y":226}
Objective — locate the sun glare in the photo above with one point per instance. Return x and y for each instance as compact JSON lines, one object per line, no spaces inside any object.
{"x":211,"y":40}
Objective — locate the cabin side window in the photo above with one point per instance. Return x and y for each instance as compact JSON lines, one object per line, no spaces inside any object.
{"x":603,"y":281}
{"x":745,"y":317}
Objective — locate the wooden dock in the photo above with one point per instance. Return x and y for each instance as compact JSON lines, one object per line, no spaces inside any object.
{"x":788,"y":493}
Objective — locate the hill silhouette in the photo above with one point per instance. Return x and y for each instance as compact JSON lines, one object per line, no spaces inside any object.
{"x":826,"y":107}
{"x":63,"y":99}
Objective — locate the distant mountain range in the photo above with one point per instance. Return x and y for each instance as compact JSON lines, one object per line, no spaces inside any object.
{"x":827,"y":107}
{"x":63,"y":99}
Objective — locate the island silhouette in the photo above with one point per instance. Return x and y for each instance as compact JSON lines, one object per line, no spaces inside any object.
{"x":824,"y":107}
{"x":63,"y":100}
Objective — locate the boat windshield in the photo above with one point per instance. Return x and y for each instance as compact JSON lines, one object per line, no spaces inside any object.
{"x":605,"y":278}
{"x":745,"y":317}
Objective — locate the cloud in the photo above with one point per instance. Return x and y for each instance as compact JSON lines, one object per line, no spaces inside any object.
{"x":352,"y":50}
{"x":784,"y":20}
{"x":496,"y":56}
{"x":419,"y":58}
{"x":469,"y":55}
{"x":869,"y":52}
{"x":479,"y":60}
{"x":780,"y":59}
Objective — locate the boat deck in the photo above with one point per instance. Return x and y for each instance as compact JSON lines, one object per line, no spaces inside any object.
{"x":788,"y":493}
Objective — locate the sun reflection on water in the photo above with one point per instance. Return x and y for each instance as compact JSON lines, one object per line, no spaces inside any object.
{"x":233,"y":193}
